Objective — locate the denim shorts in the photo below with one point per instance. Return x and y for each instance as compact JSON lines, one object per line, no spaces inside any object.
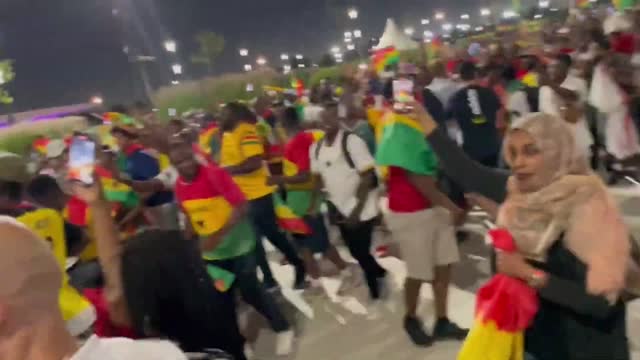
{"x":318,"y":240}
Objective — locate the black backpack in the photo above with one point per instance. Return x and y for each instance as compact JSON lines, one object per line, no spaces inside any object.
{"x":343,"y":146}
{"x":345,"y":152}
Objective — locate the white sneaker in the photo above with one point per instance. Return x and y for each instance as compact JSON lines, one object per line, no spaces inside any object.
{"x":350,"y":278}
{"x":284,"y":342}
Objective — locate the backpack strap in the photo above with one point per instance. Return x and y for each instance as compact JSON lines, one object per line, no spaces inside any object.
{"x":318,"y":146}
{"x":345,"y":149}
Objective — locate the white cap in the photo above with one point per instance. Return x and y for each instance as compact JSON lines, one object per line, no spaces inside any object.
{"x":55,"y":148}
{"x":616,"y":23}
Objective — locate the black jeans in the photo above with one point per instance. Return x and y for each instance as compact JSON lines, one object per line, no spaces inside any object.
{"x":265,"y":223}
{"x":358,"y":239}
{"x":252,"y":291}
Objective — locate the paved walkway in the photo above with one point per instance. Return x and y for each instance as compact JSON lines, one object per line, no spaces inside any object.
{"x":333,"y":328}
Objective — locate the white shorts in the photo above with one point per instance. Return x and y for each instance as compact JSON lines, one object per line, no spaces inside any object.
{"x":426,"y":239}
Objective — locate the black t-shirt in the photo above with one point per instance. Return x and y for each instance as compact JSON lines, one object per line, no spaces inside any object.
{"x":475,"y":109}
{"x":433,"y":105}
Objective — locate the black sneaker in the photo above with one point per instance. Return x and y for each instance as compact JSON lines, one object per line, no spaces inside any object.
{"x":446,"y":330}
{"x":300,"y":280}
{"x":415,"y":330}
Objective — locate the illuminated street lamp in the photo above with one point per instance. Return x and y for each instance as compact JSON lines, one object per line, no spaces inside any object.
{"x":509,"y":14}
{"x":439,"y":15}
{"x":248,"y":67}
{"x":537,"y":16}
{"x":175,"y":82}
{"x":351,"y":47}
{"x":96,"y":100}
{"x":357,"y":34}
{"x":348,"y":34}
{"x":479,"y":28}
{"x":409,"y":31}
{"x":301,"y":66}
{"x":464,"y":16}
{"x":428,"y":34}
{"x":424,"y":21}
{"x":170,"y":46}
{"x":347,"y":40}
{"x":352,"y":13}
{"x":177,"y":69}
{"x":286,"y":68}
{"x":543,"y":4}
{"x":244,"y":52}
{"x":447,"y":27}
{"x":299,"y":57}
{"x":261,"y":60}
{"x":335,"y":50}
{"x":485,"y":12}
{"x":284,"y":57}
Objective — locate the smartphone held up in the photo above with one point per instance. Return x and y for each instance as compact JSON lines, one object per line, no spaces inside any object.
{"x":402,"y":95}
{"x":82,"y":159}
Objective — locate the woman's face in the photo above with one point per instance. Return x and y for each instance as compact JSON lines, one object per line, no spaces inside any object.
{"x":526,"y":161}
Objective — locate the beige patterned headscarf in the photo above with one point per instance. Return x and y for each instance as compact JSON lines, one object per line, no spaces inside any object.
{"x":572,"y":201}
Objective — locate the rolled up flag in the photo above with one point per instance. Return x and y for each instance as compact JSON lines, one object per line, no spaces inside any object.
{"x":384,"y":58}
{"x":115,"y":191}
{"x":287,"y":220}
{"x":40,"y":145}
{"x":505,"y":308}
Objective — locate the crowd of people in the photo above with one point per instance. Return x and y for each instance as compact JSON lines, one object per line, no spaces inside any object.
{"x":152,"y":259}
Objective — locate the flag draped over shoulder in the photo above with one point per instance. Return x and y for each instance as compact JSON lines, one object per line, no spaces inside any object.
{"x":505,"y":307}
{"x":403,"y":145}
{"x":287,"y":220}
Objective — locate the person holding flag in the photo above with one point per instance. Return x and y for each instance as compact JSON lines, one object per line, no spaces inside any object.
{"x":421,"y":219}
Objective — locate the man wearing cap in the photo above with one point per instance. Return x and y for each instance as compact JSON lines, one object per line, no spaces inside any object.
{"x":49,"y":225}
{"x":140,"y":165}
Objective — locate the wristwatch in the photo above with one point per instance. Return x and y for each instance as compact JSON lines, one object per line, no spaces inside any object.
{"x":537,"y":279}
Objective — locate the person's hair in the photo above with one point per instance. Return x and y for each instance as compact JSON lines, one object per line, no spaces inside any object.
{"x":564,"y":59}
{"x":11,"y":190}
{"x":169,"y":292}
{"x":290,"y":118}
{"x":438,"y":69}
{"x":179,"y":123}
{"x":237,"y":112}
{"x":42,"y":188}
{"x":120,"y":131}
{"x":509,"y":73}
{"x":468,"y":71}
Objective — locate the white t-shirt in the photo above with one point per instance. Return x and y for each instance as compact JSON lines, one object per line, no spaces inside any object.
{"x":551,"y":103}
{"x":340,"y":180}
{"x":127,"y":349}
{"x":312,"y":113}
{"x":168,"y":177}
{"x":518,"y":103}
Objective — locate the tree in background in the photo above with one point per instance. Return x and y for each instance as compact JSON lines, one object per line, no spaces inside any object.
{"x":6,"y":75}
{"x":211,"y":46}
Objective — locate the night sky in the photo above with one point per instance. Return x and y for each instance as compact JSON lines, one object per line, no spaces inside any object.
{"x":65,"y":51}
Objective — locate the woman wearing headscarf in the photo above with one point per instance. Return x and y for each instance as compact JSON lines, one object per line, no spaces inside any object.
{"x":573,"y":246}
